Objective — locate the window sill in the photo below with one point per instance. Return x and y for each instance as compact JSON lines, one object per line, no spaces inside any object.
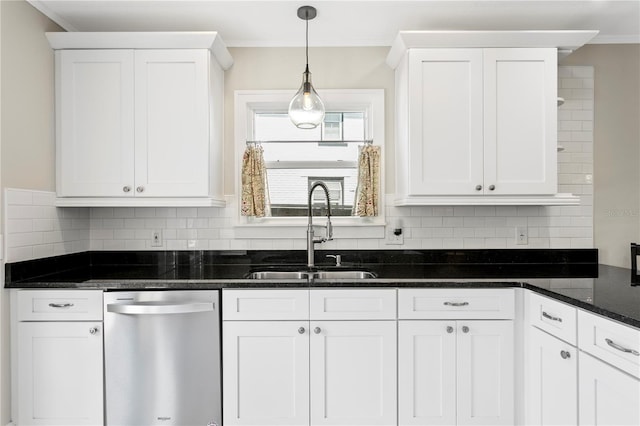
{"x":292,"y":228}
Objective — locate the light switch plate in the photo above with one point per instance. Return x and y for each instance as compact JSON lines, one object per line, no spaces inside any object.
{"x":522,"y":235}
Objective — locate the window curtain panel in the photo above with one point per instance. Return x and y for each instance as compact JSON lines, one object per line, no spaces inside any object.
{"x":366,"y":202}
{"x":255,"y":196}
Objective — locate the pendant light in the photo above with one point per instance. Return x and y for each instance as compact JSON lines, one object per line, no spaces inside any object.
{"x":306,"y":109}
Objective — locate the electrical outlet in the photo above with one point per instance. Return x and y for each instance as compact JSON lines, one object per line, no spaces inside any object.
{"x":393,"y":239}
{"x":156,"y":238}
{"x":522,"y":235}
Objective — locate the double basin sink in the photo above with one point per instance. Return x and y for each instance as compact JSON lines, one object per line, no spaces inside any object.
{"x":336,"y":274}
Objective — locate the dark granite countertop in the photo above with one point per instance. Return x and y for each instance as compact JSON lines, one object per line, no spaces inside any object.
{"x":567,"y":275}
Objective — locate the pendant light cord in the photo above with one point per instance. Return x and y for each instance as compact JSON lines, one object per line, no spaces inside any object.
{"x":306,"y":14}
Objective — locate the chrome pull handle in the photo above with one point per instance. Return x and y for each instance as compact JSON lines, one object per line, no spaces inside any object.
{"x":565,"y":354}
{"x":301,"y":330}
{"x":140,"y":188}
{"x":478,"y":187}
{"x":317,"y":330}
{"x":61,"y":305}
{"x":93,"y":330}
{"x":449,"y":329}
{"x":614,"y":345}
{"x":492,"y":187}
{"x":465,"y":329}
{"x":551,"y":317}
{"x":456,"y":303}
{"x":126,"y":189}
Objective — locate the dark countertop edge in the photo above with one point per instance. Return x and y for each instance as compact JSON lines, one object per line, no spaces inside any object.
{"x":121,"y":285}
{"x":584,"y":305}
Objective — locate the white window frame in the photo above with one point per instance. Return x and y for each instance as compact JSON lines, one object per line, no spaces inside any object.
{"x":247,"y":102}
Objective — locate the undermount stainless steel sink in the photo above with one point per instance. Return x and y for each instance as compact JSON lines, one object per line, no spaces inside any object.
{"x":344,"y":275}
{"x":279,"y":275}
{"x":321,"y":275}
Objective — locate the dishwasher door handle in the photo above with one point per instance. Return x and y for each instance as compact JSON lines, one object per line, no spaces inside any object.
{"x":159,"y":308}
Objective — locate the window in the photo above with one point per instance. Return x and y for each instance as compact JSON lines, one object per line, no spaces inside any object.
{"x":297,"y":158}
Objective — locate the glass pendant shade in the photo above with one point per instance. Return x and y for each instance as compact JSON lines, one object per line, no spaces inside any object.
{"x":306,"y":109}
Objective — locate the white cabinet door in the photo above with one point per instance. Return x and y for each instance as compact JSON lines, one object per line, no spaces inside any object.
{"x":445,"y":122}
{"x":60,"y":373}
{"x":485,"y":365}
{"x":426,"y":373}
{"x":353,"y":373}
{"x":94,"y":114}
{"x":172,"y":123}
{"x":552,"y":381}
{"x":266,"y":373}
{"x":520,"y":121}
{"x":608,"y":397}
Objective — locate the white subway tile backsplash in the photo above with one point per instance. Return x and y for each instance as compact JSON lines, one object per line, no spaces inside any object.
{"x":34,"y":228}
{"x":22,"y":225}
{"x":19,"y":197}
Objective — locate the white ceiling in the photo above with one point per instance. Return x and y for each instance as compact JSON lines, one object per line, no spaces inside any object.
{"x":345,"y":22}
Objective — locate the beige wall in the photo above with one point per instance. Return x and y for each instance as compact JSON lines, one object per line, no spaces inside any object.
{"x":27,"y":151}
{"x":331,"y":68}
{"x":616,"y":147}
{"x":28,"y":147}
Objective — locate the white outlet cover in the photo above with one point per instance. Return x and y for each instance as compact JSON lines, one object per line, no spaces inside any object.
{"x":393,"y":239}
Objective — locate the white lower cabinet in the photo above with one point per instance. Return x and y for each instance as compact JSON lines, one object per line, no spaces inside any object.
{"x":266,"y":372}
{"x":552,"y":380}
{"x":608,"y":396}
{"x":57,"y":358}
{"x":353,"y":373}
{"x":308,"y":372}
{"x":455,"y":372}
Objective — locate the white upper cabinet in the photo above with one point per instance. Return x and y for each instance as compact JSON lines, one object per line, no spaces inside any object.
{"x":476,"y":124}
{"x":95,"y":122}
{"x":142,"y":125}
{"x":520,"y":121}
{"x":172,"y":123}
{"x":445,"y":122}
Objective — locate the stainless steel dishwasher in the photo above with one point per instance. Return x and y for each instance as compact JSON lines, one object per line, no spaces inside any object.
{"x":162,"y":358}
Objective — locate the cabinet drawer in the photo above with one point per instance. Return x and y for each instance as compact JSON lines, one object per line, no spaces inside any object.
{"x":60,"y":305}
{"x":265,"y":304}
{"x":456,"y":303}
{"x":610,"y":341}
{"x":348,"y":304}
{"x":556,"y":318}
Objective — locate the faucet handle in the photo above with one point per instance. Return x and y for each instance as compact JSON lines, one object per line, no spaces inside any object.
{"x":337,"y":257}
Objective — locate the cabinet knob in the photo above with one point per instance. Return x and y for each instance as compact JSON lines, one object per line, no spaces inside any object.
{"x":465,"y":329}
{"x":126,"y":189}
{"x":301,"y":330}
{"x":478,"y":187}
{"x":317,"y":330}
{"x":492,"y":187}
{"x":140,"y":189}
{"x":565,"y":354}
{"x":93,"y":330}
{"x":449,"y":329}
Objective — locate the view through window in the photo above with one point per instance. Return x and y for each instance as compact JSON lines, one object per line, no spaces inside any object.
{"x":297,"y":158}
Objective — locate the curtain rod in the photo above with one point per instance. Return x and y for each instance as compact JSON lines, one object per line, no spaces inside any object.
{"x":366,"y":142}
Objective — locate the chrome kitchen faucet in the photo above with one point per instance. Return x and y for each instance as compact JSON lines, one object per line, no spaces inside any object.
{"x":311,"y":239}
